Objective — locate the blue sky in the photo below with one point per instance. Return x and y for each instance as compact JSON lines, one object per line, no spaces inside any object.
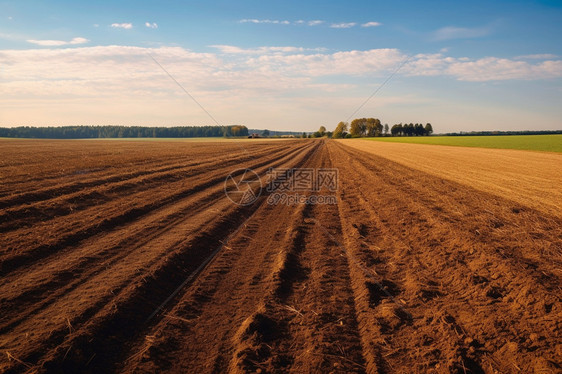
{"x":479,"y":65}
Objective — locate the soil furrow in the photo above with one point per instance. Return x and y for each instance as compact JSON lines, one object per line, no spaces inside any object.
{"x":77,"y":195}
{"x":478,"y":279}
{"x":107,"y":218}
{"x":138,"y":262}
{"x":108,"y":249}
{"x":154,"y":279}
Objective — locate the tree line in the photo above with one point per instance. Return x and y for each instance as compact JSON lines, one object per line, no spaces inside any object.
{"x":372,"y":127}
{"x":89,"y":132}
{"x":410,"y":129}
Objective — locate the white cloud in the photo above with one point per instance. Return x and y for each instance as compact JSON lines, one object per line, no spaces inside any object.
{"x":79,"y":40}
{"x":126,"y":26}
{"x":102,"y":70}
{"x":47,"y":43}
{"x":343,"y":25}
{"x":482,"y":69}
{"x":152,"y":25}
{"x":10,"y":18}
{"x":58,"y":43}
{"x":96,"y":25}
{"x":371,"y":24}
{"x":352,"y":63}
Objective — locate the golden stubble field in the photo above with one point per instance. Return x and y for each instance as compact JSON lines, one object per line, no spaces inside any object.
{"x":128,"y":257}
{"x":531,"y":178}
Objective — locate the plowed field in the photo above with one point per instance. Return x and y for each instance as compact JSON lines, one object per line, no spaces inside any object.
{"x":129,"y":257}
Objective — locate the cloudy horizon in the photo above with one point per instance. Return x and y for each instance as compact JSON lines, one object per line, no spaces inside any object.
{"x":282,"y":69}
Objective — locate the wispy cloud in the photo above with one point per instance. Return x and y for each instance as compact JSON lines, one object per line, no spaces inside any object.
{"x":452,"y":32}
{"x":11,"y":36}
{"x":315,"y":22}
{"x":540,"y":56}
{"x":371,"y":24}
{"x":483,"y":69}
{"x":496,"y":69}
{"x":58,"y":43}
{"x":230,"y":49}
{"x":272,"y":21}
{"x":126,"y":26}
{"x":152,"y":25}
{"x":345,"y":25}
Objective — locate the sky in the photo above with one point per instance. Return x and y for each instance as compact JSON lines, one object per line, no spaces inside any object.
{"x":282,"y":65}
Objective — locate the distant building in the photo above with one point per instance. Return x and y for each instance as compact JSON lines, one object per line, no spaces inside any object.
{"x":254,"y":135}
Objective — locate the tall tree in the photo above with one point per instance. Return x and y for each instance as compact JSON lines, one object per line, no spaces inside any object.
{"x":428,"y":129}
{"x":358,"y":127}
{"x":373,"y":126}
{"x":411,"y":129}
{"x":419,"y":130}
{"x":340,"y":130}
{"x":396,"y":129}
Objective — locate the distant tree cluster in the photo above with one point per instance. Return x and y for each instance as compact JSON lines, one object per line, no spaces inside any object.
{"x":372,"y":127}
{"x":360,"y":127}
{"x":410,"y":129}
{"x":365,"y":127}
{"x":89,"y":132}
{"x":274,"y":133}
{"x":320,"y":133}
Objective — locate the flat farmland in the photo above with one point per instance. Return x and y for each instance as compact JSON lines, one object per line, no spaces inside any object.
{"x":529,"y":178}
{"x":128,"y":256}
{"x":547,"y":143}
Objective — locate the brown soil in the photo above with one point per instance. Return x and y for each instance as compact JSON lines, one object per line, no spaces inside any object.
{"x":128,"y":257}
